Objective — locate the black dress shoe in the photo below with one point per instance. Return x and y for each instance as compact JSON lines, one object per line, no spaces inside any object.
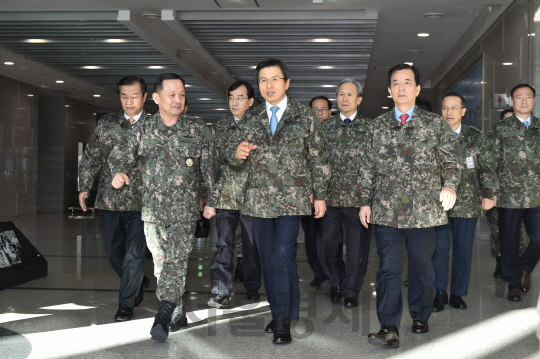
{"x":335,"y":294}
{"x":160,"y":328}
{"x":239,"y":271}
{"x":441,"y":298}
{"x":253,"y":294}
{"x":420,"y":327}
{"x":178,"y":320}
{"x":123,"y":314}
{"x":498,"y":270}
{"x":219,"y":301}
{"x":457,"y":302}
{"x":270,"y":327}
{"x":282,"y":332}
{"x":315,"y":282}
{"x":140,"y":297}
{"x":350,"y":302}
{"x":387,"y":337}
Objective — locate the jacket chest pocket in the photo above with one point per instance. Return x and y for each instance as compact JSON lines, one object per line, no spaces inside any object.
{"x":293,"y":135}
{"x":186,"y":155}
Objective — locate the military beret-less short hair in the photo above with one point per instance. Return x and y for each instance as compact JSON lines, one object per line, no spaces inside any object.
{"x":158,"y":81}
{"x":131,"y":80}
{"x":350,"y":81}
{"x":455,"y":94}
{"x":404,"y":67}
{"x":508,"y":110}
{"x":271,"y":62}
{"x":521,"y":86}
{"x":321,"y":98}
{"x":237,"y":84}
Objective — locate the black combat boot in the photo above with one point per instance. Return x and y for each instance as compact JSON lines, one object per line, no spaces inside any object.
{"x":497,"y":273}
{"x":179,"y":319}
{"x":160,"y":329}
{"x":239,"y":272}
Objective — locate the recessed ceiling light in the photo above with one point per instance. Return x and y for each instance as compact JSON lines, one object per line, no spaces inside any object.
{"x":414,"y":51}
{"x":92,"y":67}
{"x":252,"y":67}
{"x":433,"y":15}
{"x":59,"y":81}
{"x":241,"y":40}
{"x":531,"y":34}
{"x":188,"y":85}
{"x":156,"y":67}
{"x":507,"y":63}
{"x":97,"y":95}
{"x":221,"y":109}
{"x":389,"y":96}
{"x":408,"y":63}
{"x":30,"y":95}
{"x":9,"y":63}
{"x":328,"y":86}
{"x":152,"y":16}
{"x":326,"y":67}
{"x":66,"y":105}
{"x":37,"y":41}
{"x":115,"y":41}
{"x":322,"y":40}
{"x":423,"y":34}
{"x":385,"y":108}
{"x":317,"y":1}
{"x":205,"y":99}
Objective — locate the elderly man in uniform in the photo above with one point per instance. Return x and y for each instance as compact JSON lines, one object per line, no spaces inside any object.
{"x":123,"y":229}
{"x":475,"y":191}
{"x":177,"y":153}
{"x":228,"y":213}
{"x":344,"y":134}
{"x":408,"y":178}
{"x":287,"y":157}
{"x":515,"y":146}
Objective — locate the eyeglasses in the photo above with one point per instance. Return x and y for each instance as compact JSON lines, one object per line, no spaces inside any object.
{"x":272,"y":80}
{"x":324,"y":111}
{"x":450,"y":108}
{"x":237,"y":98}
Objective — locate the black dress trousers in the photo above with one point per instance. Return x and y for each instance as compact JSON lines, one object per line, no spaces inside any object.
{"x":125,"y":246}
{"x":222,"y":268}
{"x":349,"y":277}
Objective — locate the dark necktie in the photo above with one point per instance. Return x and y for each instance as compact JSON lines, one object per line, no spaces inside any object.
{"x":404,"y":118}
{"x":347,"y":121}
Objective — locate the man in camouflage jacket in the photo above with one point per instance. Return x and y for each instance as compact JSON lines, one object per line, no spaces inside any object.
{"x":287,"y":157}
{"x":233,"y":179}
{"x":344,"y":135}
{"x":476,"y":191}
{"x":123,"y":231}
{"x":515,"y":147}
{"x":408,"y":178}
{"x":176,"y":151}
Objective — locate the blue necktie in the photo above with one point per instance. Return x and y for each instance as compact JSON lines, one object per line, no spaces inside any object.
{"x":526,"y":123}
{"x":457,"y":134}
{"x":274,"y":120}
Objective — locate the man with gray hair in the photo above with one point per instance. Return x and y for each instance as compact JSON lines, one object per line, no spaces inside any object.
{"x":343,"y":134}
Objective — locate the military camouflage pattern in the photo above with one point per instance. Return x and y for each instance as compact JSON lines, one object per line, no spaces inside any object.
{"x":172,"y":158}
{"x":110,"y":130}
{"x":492,"y":217}
{"x":405,"y":167}
{"x":285,"y":168}
{"x":477,"y":179}
{"x":345,"y":148}
{"x":238,"y":241}
{"x":175,"y":242}
{"x":516,"y":158}
{"x":232,"y":177}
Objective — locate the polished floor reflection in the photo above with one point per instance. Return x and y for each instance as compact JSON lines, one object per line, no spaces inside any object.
{"x":69,"y":314}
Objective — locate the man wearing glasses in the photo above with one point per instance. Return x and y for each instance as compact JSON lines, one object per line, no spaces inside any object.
{"x":475,"y":192}
{"x":322,"y":107}
{"x":287,"y":156}
{"x":228,"y":214}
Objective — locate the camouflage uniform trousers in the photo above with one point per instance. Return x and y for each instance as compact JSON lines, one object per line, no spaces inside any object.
{"x":174,"y":245}
{"x":492,"y":217}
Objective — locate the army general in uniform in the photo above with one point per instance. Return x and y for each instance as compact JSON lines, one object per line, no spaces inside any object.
{"x":178,"y":158}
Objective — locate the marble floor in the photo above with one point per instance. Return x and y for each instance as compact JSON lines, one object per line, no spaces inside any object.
{"x":69,"y":313}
